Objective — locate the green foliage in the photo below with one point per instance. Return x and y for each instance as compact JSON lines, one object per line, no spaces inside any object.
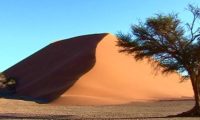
{"x":169,"y":44}
{"x":163,"y":38}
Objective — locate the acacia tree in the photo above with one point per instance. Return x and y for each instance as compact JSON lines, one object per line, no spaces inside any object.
{"x":172,"y":46}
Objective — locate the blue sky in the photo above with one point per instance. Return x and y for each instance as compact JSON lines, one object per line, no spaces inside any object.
{"x":28,"y":25}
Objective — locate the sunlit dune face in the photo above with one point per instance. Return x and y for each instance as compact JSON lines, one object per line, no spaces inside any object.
{"x":117,"y":78}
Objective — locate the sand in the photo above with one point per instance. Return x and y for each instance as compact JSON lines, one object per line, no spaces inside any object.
{"x":48,"y":73}
{"x":111,"y":85}
{"x":117,"y":78}
{"x":13,"y":109}
{"x":90,"y":70}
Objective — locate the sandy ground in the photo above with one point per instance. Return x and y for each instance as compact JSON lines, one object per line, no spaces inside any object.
{"x":12,"y":109}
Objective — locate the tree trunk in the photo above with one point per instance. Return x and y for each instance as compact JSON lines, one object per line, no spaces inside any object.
{"x":198,"y":90}
{"x":195,"y":87}
{"x":195,"y":111}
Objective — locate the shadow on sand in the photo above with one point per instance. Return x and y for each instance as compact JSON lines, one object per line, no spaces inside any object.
{"x":71,"y":117}
{"x":36,"y":117}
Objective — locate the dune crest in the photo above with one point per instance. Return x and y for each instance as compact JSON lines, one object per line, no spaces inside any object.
{"x":117,"y":78}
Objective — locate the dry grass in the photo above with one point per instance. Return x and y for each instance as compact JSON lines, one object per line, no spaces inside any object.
{"x":12,"y":109}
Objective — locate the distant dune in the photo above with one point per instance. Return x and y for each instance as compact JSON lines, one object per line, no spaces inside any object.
{"x":89,"y":70}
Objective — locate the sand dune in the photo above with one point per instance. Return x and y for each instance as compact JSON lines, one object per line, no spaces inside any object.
{"x":89,"y":70}
{"x":48,"y":73}
{"x":117,"y":78}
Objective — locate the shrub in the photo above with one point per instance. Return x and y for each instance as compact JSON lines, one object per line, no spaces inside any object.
{"x":6,"y":83}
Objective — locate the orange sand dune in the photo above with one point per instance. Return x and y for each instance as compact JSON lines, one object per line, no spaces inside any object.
{"x":117,"y":78}
{"x":89,"y":70}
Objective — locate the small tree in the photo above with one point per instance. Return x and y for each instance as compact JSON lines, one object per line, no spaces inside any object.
{"x":7,"y":83}
{"x":173,"y":47}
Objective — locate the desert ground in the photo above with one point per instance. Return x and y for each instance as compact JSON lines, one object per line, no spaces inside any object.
{"x":154,"y":110}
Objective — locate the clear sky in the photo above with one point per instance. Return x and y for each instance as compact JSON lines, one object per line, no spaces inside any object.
{"x":28,"y":25}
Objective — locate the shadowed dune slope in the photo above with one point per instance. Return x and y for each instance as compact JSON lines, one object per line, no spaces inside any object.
{"x":117,"y":78}
{"x":48,"y":73}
